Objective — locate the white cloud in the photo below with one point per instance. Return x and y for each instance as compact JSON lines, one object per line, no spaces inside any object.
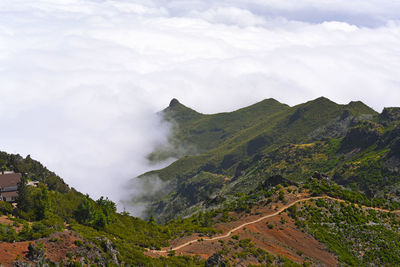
{"x":80,"y":80}
{"x":230,"y":16}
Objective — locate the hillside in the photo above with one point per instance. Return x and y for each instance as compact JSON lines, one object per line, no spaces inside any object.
{"x":314,"y":184}
{"x":195,"y":133}
{"x":318,"y":223}
{"x":52,"y":224}
{"x":232,"y":152}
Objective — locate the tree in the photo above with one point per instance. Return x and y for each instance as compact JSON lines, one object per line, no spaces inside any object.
{"x":23,"y":200}
{"x":100,"y":221}
{"x":85,"y":212}
{"x":41,"y":203}
{"x":96,"y":214}
{"x":108,"y":208}
{"x":152,"y":220}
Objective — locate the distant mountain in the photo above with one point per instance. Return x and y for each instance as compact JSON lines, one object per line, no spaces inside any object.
{"x":195,"y":133}
{"x":233,"y":152}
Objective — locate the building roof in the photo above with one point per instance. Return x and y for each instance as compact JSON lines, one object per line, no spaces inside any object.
{"x":9,"y":179}
{"x":9,"y":194}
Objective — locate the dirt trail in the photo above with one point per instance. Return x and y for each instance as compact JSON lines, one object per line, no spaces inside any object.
{"x":263,"y":218}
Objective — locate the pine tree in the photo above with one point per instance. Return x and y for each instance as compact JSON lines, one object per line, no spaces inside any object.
{"x":23,"y":200}
{"x":85,"y":212}
{"x":41,"y":203}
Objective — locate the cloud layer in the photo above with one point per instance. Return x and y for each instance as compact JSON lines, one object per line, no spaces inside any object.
{"x":80,"y":80}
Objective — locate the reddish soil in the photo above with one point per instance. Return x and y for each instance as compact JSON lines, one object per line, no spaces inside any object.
{"x":57,"y":246}
{"x":63,"y":244}
{"x":284,"y":239}
{"x":10,"y":252}
{"x":5,"y":220}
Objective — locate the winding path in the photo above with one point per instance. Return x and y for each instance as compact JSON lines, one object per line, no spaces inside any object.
{"x":263,"y":218}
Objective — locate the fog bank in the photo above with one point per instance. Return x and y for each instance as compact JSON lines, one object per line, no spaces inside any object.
{"x":81,"y":80}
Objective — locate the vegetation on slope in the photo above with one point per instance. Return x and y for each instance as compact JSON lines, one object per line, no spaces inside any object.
{"x":234,"y":161}
{"x":53,"y":206}
{"x":348,"y":142}
{"x":359,"y":237}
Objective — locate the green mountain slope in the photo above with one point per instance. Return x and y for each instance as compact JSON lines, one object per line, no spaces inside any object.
{"x":248,"y":144}
{"x":195,"y":133}
{"x":272,"y":127}
{"x":347,"y":157}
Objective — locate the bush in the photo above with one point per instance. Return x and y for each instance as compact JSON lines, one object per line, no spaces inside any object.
{"x":36,"y":252}
{"x":78,"y":243}
{"x":5,"y":207}
{"x":171,"y":253}
{"x":7,"y":233}
{"x":40,"y":230}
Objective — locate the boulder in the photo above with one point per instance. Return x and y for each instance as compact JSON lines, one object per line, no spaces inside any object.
{"x":109,"y":247}
{"x":216,"y":260}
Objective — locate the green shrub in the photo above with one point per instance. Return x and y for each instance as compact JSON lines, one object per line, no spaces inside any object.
{"x":39,"y":230}
{"x":78,"y":243}
{"x":5,"y":207}
{"x":7,"y":233}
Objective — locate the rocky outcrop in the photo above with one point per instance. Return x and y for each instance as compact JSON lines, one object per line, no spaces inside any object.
{"x":395,"y":147}
{"x":36,"y":253}
{"x":359,"y":137}
{"x":320,"y":176}
{"x":173,"y":102}
{"x":216,"y":260}
{"x":336,"y":128}
{"x":20,"y":264}
{"x":390,"y":114}
{"x":109,"y":247}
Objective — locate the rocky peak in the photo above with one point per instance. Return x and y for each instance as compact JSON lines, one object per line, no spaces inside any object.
{"x":390,"y":114}
{"x":173,"y":102}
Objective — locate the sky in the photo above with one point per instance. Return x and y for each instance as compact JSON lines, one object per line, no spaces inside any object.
{"x":81,"y":80}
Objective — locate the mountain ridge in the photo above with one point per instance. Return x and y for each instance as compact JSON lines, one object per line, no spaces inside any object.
{"x":242,"y":184}
{"x":273,"y":126}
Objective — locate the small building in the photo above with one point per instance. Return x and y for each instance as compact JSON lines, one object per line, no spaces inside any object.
{"x":9,"y":186}
{"x":33,"y":183}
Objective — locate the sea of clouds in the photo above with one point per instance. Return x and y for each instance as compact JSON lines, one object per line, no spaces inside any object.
{"x":81,"y":80}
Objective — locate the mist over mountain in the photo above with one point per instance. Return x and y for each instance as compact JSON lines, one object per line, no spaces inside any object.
{"x":247,"y":165}
{"x":269,"y":183}
{"x":82,"y":79}
{"x":232,"y":144}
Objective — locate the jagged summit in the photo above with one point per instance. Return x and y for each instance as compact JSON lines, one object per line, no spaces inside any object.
{"x":176,"y":106}
{"x":173,"y":102}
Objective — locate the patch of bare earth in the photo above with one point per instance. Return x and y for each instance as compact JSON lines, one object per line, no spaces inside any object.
{"x":57,"y":246}
{"x":7,"y":221}
{"x":284,"y":239}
